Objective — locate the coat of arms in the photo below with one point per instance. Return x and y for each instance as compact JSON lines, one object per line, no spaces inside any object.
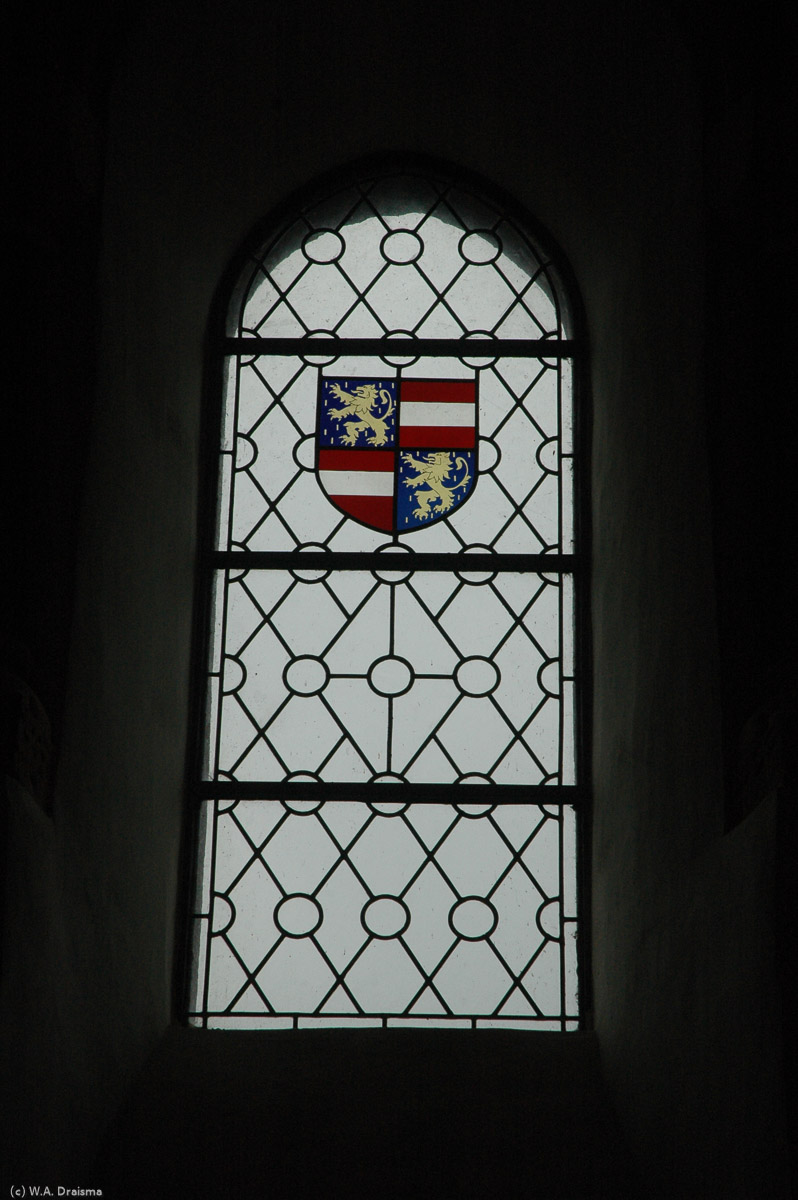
{"x":397,"y":454}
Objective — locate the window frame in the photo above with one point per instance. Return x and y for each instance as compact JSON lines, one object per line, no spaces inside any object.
{"x":218,"y":348}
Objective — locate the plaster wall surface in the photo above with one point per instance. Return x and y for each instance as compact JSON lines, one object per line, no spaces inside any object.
{"x":589,"y":117}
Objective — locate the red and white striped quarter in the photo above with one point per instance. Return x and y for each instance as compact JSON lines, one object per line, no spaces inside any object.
{"x":437,"y":413}
{"x":361,"y":482}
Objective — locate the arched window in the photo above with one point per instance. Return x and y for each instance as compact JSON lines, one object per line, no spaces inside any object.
{"x":388,"y":798}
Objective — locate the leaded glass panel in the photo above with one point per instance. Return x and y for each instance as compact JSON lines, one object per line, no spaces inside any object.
{"x":393,"y":582}
{"x":413,"y":913}
{"x":520,"y":455}
{"x":414,"y":676}
{"x":364,"y":264}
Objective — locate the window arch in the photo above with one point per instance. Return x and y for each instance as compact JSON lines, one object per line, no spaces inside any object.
{"x":392,"y":626}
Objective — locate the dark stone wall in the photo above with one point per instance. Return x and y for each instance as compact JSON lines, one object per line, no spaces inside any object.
{"x":62,"y":62}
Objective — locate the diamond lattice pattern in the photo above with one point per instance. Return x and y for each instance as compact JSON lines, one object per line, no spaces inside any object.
{"x":397,"y":256}
{"x":424,"y":911}
{"x":424,"y":677}
{"x":314,"y":910}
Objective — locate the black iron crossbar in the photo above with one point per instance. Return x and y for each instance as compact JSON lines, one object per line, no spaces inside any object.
{"x":352,"y":560}
{"x":440,"y":793}
{"x":410,"y":347}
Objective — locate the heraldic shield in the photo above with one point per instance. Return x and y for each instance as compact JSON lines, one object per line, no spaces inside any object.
{"x":397,"y":454}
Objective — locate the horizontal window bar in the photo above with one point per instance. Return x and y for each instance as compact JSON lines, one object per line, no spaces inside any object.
{"x":411,"y":793}
{"x":406,"y":347}
{"x":316,"y":560}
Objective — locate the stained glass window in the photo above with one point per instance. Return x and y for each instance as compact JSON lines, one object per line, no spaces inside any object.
{"x":388,"y":804}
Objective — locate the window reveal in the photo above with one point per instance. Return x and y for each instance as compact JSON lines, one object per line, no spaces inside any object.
{"x":392,"y":628}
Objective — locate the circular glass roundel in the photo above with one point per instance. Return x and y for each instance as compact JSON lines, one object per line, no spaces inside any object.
{"x":306,"y":676}
{"x":401,"y":247}
{"x":473,"y":918}
{"x":477,"y":578}
{"x":323,"y":246}
{"x":234,"y":674}
{"x":246,"y":452}
{"x":474,"y":811}
{"x":479,"y":364}
{"x":298,"y":916}
{"x":223,"y":913}
{"x":489,"y":455}
{"x":391,"y":676}
{"x":385,"y":917}
{"x":480,"y":246}
{"x":321,"y":359}
{"x":548,"y":455}
{"x":304,"y":453}
{"x":236,"y":572}
{"x":310,"y":574}
{"x":549,"y":677}
{"x":302,"y":808}
{"x":387,"y":808}
{"x":391,"y":575}
{"x":399,"y":360}
{"x":548,"y":918}
{"x":476,"y":676}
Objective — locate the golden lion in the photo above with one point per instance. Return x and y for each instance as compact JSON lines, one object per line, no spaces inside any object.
{"x":358,"y":408}
{"x":431,"y":473}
